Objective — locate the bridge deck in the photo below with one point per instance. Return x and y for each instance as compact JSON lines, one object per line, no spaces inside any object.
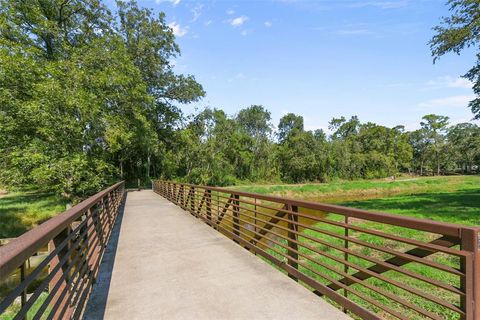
{"x":162,"y":263}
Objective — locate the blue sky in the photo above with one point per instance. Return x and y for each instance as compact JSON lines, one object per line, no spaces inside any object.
{"x":320,"y":59}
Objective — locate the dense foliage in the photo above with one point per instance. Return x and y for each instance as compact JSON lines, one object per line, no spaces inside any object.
{"x":216,"y":149}
{"x":457,"y":32}
{"x":86,"y":96}
{"x":89,"y":96}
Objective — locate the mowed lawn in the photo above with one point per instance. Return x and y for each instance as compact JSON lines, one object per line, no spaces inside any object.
{"x":22,"y":211}
{"x":453,"y":199}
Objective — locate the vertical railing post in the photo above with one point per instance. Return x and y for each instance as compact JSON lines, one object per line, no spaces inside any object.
{"x":345,"y":256}
{"x":470,"y":284}
{"x":23,"y":274}
{"x":183,"y":197}
{"x":236,"y":215}
{"x":293,"y":238}
{"x":192,"y":200}
{"x":209,"y":204}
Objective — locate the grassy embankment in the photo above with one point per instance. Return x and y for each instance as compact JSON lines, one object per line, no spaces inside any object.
{"x":449,"y":199}
{"x":21,"y":211}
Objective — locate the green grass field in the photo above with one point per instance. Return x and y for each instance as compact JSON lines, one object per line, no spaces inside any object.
{"x":21,"y":211}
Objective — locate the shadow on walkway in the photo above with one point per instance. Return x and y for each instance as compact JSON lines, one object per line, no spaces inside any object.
{"x":98,"y":299}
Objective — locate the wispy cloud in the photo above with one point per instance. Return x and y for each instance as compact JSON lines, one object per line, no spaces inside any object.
{"x":173,"y":2}
{"x":230,"y":12}
{"x":208,"y":22}
{"x":459,"y":101}
{"x":197,"y":12}
{"x":237,"y":22}
{"x":268,"y":24}
{"x":177,"y":29}
{"x":449,"y":82}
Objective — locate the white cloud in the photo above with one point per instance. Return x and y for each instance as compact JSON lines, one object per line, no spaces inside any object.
{"x":237,"y":22}
{"x":197,"y":12}
{"x":177,"y":29}
{"x":208,"y":22}
{"x":244,"y":33}
{"x":230,"y":12}
{"x":452,"y":101}
{"x":268,"y":24}
{"x":461,"y":83}
{"x":449,"y":82}
{"x":173,"y":2}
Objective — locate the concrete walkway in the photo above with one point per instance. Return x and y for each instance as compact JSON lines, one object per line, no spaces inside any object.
{"x":162,"y":263}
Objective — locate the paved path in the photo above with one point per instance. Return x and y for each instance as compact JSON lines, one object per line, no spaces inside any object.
{"x":162,"y":263}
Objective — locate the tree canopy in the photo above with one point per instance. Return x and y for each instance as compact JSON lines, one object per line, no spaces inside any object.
{"x":86,"y":96}
{"x":456,"y":32}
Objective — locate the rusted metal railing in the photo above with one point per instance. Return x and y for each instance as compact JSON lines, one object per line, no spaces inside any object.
{"x":58,"y":287}
{"x":373,"y":265}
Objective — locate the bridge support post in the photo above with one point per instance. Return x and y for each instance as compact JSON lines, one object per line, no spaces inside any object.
{"x":293,"y":238}
{"x":470,"y":303}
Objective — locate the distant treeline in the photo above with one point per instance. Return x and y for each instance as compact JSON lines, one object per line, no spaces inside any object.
{"x":213,"y":148}
{"x":89,"y":96}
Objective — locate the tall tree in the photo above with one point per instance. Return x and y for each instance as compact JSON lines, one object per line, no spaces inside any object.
{"x":435,"y":127}
{"x":85,"y":96}
{"x":455,"y":33}
{"x":289,"y":124}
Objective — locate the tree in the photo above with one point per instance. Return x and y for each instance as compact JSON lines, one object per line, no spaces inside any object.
{"x":343,"y":128}
{"x":85,"y":96}
{"x":289,"y":124}
{"x":455,"y":33}
{"x":465,"y":141}
{"x":255,"y":124}
{"x":434,"y":126}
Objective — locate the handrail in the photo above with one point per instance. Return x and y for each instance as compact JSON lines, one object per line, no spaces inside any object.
{"x":445,"y":228}
{"x":364,"y":261}
{"x":58,"y":287}
{"x":18,"y":250}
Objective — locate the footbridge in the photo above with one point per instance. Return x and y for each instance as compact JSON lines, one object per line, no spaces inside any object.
{"x":183,"y":251}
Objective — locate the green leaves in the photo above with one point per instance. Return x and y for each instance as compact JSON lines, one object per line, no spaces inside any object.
{"x":85,"y":100}
{"x":455,"y":33}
